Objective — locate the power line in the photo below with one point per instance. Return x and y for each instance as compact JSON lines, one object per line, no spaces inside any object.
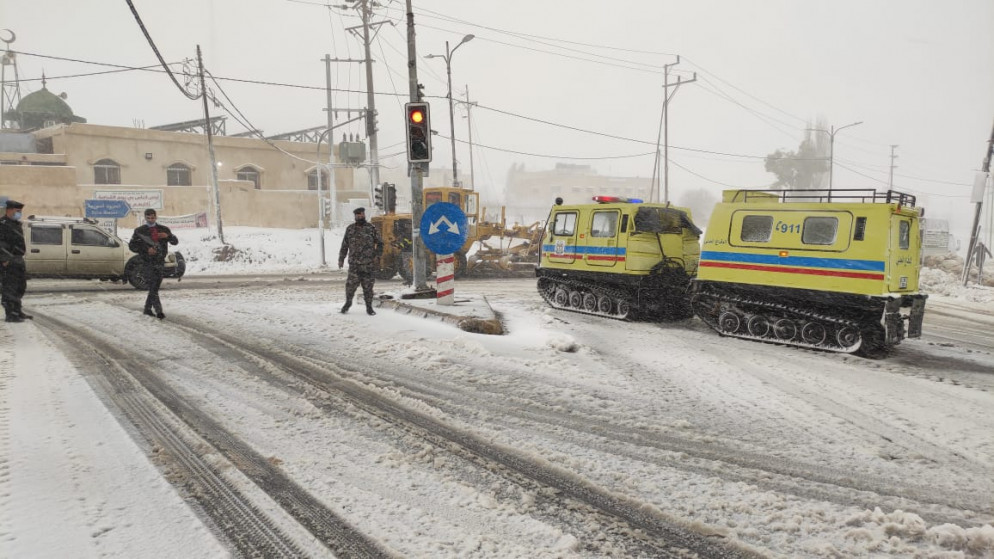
{"x":155,"y":49}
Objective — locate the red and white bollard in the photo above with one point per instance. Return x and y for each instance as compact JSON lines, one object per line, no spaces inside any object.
{"x":445,"y":283}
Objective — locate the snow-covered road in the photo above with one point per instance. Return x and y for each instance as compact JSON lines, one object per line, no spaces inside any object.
{"x":572,"y":436}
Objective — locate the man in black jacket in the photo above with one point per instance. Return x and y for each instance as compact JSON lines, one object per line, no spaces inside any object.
{"x":13,"y":273}
{"x":151,"y":241}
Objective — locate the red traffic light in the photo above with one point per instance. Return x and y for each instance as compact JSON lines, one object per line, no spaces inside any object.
{"x":417,"y":116}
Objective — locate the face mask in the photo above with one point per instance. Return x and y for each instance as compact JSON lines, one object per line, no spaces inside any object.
{"x":17,"y":215}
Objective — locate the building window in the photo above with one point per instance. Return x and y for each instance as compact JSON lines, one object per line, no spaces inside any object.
{"x":106,"y":171}
{"x":312,"y":180}
{"x":249,"y":173}
{"x":179,"y":174}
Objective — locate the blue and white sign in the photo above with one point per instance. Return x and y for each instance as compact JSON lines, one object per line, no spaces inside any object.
{"x":444,"y":228}
{"x":106,"y":208}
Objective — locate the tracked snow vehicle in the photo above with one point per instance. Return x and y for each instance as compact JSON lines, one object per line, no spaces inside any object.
{"x":619,"y":258}
{"x":832,"y":270}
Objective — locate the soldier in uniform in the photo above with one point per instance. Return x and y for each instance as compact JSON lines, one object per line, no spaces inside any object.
{"x":151,"y":241}
{"x":13,"y":273}
{"x":363,"y":246}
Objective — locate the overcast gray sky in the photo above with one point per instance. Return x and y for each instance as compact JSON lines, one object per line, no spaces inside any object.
{"x":918,"y":73}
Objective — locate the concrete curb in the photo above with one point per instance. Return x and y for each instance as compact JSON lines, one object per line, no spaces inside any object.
{"x":472,"y":324}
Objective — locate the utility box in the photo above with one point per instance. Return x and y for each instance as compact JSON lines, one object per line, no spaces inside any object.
{"x":352,"y":153}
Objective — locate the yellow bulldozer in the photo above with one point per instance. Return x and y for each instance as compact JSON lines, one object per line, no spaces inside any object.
{"x":491,"y":249}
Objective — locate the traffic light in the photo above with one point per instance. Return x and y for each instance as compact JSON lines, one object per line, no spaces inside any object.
{"x":389,"y":198}
{"x":418,"y":133}
{"x":378,"y":197}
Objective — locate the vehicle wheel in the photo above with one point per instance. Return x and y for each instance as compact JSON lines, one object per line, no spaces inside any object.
{"x":180,"y":266}
{"x":758,"y":326}
{"x":459,"y":266}
{"x":575,"y":299}
{"x":589,"y":302}
{"x":134,"y":273}
{"x":385,"y":271}
{"x":407,"y":267}
{"x":729,"y":322}
{"x":624,"y":309}
{"x":784,"y":329}
{"x":813,"y":333}
{"x":561,"y":298}
{"x":604,"y":304}
{"x":874,"y":344}
{"x":847,"y":337}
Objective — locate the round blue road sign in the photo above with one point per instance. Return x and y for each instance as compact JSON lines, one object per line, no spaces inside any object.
{"x":444,"y":228}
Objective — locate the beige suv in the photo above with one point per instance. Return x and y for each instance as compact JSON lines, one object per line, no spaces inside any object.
{"x":75,"y":247}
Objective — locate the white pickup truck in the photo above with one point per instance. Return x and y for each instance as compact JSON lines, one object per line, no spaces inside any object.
{"x":76,"y":247}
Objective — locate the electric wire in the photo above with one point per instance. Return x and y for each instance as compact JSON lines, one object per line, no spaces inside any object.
{"x":155,"y":49}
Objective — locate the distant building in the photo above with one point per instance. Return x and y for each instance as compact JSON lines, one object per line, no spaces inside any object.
{"x":936,"y":238}
{"x":530,"y":194}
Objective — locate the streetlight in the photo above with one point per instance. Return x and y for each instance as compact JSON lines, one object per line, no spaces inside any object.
{"x":831,"y":149}
{"x":452,"y":121}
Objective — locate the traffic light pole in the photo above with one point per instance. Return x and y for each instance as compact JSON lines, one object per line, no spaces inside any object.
{"x":417,"y":169}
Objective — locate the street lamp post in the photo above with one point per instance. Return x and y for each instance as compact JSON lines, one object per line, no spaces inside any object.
{"x":452,"y":120}
{"x":831,"y":149}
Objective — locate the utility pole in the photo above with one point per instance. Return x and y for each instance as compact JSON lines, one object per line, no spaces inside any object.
{"x":374,"y":154}
{"x":663,"y":125}
{"x":890,"y":183}
{"x":210,"y":148}
{"x":417,"y":169}
{"x":979,"y":186}
{"x":469,"y":124}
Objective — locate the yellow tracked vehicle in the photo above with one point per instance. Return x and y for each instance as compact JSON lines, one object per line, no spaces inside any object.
{"x":831,"y":270}
{"x":619,"y":258}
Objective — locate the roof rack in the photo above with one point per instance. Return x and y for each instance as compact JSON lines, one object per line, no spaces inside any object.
{"x":62,"y":219}
{"x":862,"y":195}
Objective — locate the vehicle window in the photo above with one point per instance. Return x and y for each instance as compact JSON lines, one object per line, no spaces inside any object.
{"x":904,"y":238}
{"x":89,"y":237}
{"x":454,"y":199}
{"x":819,"y":230}
{"x":604,"y":224}
{"x":757,"y":228}
{"x":432,"y":197}
{"x":565,"y":224}
{"x":624,"y":223}
{"x":657,"y":220}
{"x":860,"y":229}
{"x":46,"y":235}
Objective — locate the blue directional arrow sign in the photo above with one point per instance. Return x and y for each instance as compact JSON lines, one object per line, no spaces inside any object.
{"x":444,"y":228}
{"x":107,"y":208}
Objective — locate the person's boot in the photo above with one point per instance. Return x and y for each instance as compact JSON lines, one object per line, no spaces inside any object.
{"x":346,"y":306}
{"x":24,"y":315}
{"x":369,"y":309}
{"x":160,"y":315}
{"x":13,"y":318}
{"x":148,"y":312}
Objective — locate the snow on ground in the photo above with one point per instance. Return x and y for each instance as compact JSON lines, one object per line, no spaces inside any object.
{"x":66,"y":462}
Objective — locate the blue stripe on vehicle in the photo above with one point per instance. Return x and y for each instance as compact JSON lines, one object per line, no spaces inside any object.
{"x":801,"y":261}
{"x":570,"y":249}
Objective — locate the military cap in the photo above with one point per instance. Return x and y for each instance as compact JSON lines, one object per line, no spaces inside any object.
{"x":14,"y":204}
{"x":149,"y":211}
{"x":359,"y":211}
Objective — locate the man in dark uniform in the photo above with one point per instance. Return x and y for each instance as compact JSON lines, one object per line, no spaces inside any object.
{"x":363,"y":246}
{"x":151,"y":241}
{"x":13,"y":274}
